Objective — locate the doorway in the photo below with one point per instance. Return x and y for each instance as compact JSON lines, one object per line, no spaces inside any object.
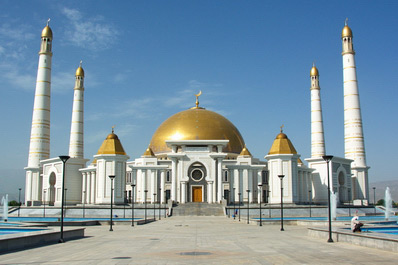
{"x":197,"y":194}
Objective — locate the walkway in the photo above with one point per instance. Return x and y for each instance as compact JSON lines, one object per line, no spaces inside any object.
{"x":199,"y":240}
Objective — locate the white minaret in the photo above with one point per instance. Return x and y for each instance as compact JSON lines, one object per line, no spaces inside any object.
{"x":76,"y":147}
{"x":39,"y":148}
{"x":353,"y":132}
{"x":317,"y":135}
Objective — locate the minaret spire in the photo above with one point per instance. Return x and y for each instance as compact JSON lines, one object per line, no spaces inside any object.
{"x":39,"y":147}
{"x":76,"y":144}
{"x":317,"y":133}
{"x":353,"y":132}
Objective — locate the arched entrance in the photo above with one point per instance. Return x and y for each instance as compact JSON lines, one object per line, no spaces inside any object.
{"x":342,"y":188}
{"x":51,"y":190}
{"x":197,"y":184}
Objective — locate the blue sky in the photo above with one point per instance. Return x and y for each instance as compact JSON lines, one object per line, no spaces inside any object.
{"x":145,"y":60}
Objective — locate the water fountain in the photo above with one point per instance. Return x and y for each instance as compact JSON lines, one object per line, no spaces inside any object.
{"x":4,"y":201}
{"x":387,"y":203}
{"x":333,"y":204}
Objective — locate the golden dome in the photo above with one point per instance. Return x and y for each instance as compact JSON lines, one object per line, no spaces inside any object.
{"x":197,"y":124}
{"x":282,"y":145}
{"x":47,"y":32}
{"x":314,"y":71}
{"x":80,"y":71}
{"x":111,"y":146}
{"x":245,"y":152}
{"x":346,"y":32}
{"x":148,"y":153}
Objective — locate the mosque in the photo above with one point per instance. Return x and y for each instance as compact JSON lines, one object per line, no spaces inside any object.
{"x":196,"y":155}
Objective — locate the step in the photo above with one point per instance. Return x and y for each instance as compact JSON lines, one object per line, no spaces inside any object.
{"x":198,"y":209}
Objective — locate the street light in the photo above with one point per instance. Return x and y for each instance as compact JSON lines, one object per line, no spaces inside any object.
{"x":328,"y":159}
{"x":234,"y":203}
{"x":44,"y":209}
{"x":310,"y":200}
{"x":259,"y":202}
{"x":132,"y":204}
{"x":248,"y":206}
{"x":154,"y":208}
{"x":281,"y":178}
{"x":146,"y":191}
{"x":112,"y":178}
{"x":269,"y":204}
{"x":63,"y":159}
{"x":84,"y":200}
{"x":374,"y":198}
{"x":239,"y":204}
{"x":66,"y":199}
{"x":19,"y":196}
{"x":349,"y":202}
{"x":165,"y":203}
{"x":160,"y":199}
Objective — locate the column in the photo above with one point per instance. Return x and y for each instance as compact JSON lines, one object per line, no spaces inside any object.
{"x":143,"y":183}
{"x":162,"y":186}
{"x":84,"y":187}
{"x":183,"y":191}
{"x":174,"y":162}
{"x":250,"y":185}
{"x":213,"y":177}
{"x":210,"y":191}
{"x":219,"y":178}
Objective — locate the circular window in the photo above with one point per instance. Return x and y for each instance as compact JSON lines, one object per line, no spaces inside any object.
{"x":197,"y":174}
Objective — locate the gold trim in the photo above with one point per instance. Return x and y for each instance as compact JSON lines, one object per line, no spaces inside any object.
{"x":42,"y":109}
{"x":352,"y":109}
{"x":351,"y":95}
{"x":42,"y":81}
{"x":349,"y":52}
{"x":349,"y":67}
{"x":42,"y":95}
{"x":347,"y":81}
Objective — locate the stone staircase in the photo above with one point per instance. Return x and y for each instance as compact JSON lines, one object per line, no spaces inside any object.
{"x":198,"y":209}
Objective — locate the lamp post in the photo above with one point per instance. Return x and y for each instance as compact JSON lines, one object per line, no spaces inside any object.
{"x":234,"y":203}
{"x":328,"y":159}
{"x":112,"y":177}
{"x":281,"y":178}
{"x":44,"y":201}
{"x":310,"y":197}
{"x":154,"y":206}
{"x":248,"y":206}
{"x":259,"y":202}
{"x":160,"y":199}
{"x":132,"y":204}
{"x":63,"y":159}
{"x":239,"y":204}
{"x":374,"y":199}
{"x":269,"y":204}
{"x":84,"y":201}
{"x":124,"y":204}
{"x":19,"y":200}
{"x":146,"y":191}
{"x":66,"y":189}
{"x":349,"y":202}
{"x":165,"y":203}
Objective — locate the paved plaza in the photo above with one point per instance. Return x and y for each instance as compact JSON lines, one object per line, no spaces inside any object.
{"x":199,"y":240}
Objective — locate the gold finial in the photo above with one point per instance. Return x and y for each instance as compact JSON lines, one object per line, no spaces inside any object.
{"x":282,"y":128}
{"x":197,"y":98}
{"x":346,"y":21}
{"x":113,"y":127}
{"x":48,"y":22}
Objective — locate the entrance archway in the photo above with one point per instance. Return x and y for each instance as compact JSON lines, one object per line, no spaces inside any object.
{"x":197,"y":191}
{"x":52,"y":181}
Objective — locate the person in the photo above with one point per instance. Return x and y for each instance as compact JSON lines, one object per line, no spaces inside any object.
{"x":355,"y":224}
